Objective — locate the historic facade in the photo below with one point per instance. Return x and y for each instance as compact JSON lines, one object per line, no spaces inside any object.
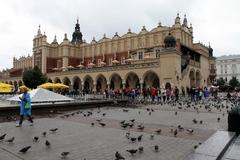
{"x":228,"y":67}
{"x":156,"y":57}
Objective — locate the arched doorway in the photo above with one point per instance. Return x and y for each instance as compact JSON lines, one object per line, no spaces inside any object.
{"x":168,"y":86}
{"x":198,"y":79}
{"x":88,"y":84}
{"x":76,"y":83}
{"x":49,"y":80}
{"x":15,"y":85}
{"x":101,"y":84}
{"x":132,"y":80}
{"x":57,"y":80}
{"x":192,"y":78}
{"x":66,"y":81}
{"x":150,"y":79}
{"x":115,"y":82}
{"x":20,"y":83}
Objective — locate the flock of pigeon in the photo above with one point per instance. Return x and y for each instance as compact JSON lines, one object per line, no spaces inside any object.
{"x":129,"y":124}
{"x":35,"y":140}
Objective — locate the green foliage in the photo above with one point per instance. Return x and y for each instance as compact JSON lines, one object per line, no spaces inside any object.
{"x":33,"y":78}
{"x":220,"y":82}
{"x":234,"y":82}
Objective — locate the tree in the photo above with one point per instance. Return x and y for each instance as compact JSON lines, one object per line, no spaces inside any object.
{"x":220,"y":82}
{"x":34,"y":77}
{"x":234,"y":82}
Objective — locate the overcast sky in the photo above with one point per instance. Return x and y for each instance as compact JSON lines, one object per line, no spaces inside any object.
{"x":214,"y":21}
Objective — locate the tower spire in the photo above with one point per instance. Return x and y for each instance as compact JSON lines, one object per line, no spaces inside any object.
{"x":39,"y":30}
{"x":185,"y":21}
{"x":77,"y":35}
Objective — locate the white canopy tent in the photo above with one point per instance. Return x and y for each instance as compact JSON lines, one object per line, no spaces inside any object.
{"x":41,"y":95}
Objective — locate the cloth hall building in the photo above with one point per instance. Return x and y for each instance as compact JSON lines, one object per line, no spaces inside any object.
{"x":162,"y":56}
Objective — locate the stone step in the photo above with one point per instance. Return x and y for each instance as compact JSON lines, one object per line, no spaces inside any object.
{"x":214,"y":147}
{"x":233,"y":152}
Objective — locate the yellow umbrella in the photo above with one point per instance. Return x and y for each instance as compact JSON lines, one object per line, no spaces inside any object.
{"x":6,"y":88}
{"x":46,"y":85}
{"x":60,"y":85}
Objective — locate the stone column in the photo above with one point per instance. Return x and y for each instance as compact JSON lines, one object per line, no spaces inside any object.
{"x":124,"y":84}
{"x":108,"y":85}
{"x":94,"y":89}
{"x":44,"y":59}
{"x":65,"y":57}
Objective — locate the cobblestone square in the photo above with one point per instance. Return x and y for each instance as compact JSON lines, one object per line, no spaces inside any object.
{"x":76,"y":135}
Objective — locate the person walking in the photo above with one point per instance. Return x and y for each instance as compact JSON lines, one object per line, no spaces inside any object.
{"x":176,"y":93}
{"x":25,"y":107}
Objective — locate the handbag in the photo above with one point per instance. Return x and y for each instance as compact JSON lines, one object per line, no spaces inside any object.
{"x":27,"y":105}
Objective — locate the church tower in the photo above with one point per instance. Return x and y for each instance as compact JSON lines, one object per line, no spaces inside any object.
{"x":77,"y":35}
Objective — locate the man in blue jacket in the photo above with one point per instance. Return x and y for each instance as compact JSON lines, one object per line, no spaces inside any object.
{"x":25,"y":108}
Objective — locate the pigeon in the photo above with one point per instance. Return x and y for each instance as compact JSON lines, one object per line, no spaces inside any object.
{"x":125,"y":110}
{"x":140,"y":127}
{"x":132,"y":151}
{"x":102,"y":124}
{"x":218,"y":119}
{"x":201,"y":122}
{"x":104,"y":114}
{"x":158,"y":131}
{"x":195,"y":147}
{"x":64,"y":154}
{"x":156,"y":148}
{"x":194,"y":121}
{"x":10,"y":140}
{"x":122,"y":122}
{"x":175,"y":132}
{"x":92,"y":124}
{"x":35,"y":139}
{"x":133,"y":139}
{"x":2,"y":137}
{"x":139,"y":138}
{"x":180,"y":127}
{"x":98,"y":120}
{"x":190,"y":130}
{"x":53,"y":130}
{"x":124,"y":126}
{"x":25,"y":149}
{"x":118,"y":156}
{"x":175,"y":113}
{"x":152,"y":136}
{"x":47,"y":143}
{"x":44,"y":134}
{"x":132,"y":120}
{"x":140,"y":149}
{"x":131,"y":125}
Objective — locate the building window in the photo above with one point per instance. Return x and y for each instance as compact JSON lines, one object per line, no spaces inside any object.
{"x":234,"y":68}
{"x":122,"y":60}
{"x":157,"y":53}
{"x":99,"y":62}
{"x":59,"y":64}
{"x":225,"y":69}
{"x":221,"y":69}
{"x":140,"y":55}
